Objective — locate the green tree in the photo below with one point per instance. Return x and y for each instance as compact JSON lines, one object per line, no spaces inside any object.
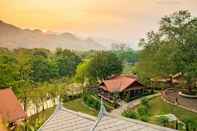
{"x":127,"y":55}
{"x":8,"y":70}
{"x":82,"y":73}
{"x":67,"y":62}
{"x":172,"y":49}
{"x":40,"y":69}
{"x":23,"y":88}
{"x":98,"y":67}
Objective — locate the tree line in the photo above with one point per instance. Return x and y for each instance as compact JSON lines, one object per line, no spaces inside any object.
{"x":170,"y":50}
{"x":23,"y":68}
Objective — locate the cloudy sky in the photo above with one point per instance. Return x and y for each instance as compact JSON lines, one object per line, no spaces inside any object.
{"x":114,"y":19}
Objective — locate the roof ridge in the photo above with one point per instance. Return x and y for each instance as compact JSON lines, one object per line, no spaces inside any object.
{"x":101,"y":114}
{"x":141,"y":122}
{"x":60,"y":107}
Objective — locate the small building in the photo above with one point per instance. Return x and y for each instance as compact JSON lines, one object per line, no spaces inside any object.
{"x":10,"y":109}
{"x":127,"y":87}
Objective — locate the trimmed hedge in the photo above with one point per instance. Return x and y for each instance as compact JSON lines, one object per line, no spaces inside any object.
{"x":130,"y":114}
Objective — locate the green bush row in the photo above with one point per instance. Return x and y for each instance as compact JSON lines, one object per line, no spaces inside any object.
{"x":93,"y":102}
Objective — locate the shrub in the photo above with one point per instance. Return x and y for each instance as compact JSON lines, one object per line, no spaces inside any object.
{"x":163,"y":120}
{"x":144,"y":118}
{"x":142,"y":111}
{"x":130,"y":114}
{"x":145,"y":102}
{"x":190,"y":124}
{"x":91,"y":102}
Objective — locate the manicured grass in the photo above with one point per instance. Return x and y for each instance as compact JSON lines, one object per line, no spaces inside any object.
{"x":78,"y":105}
{"x":159,"y":107}
{"x":42,"y":116}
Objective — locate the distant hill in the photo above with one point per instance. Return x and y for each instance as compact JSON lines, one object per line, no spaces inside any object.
{"x":15,"y":37}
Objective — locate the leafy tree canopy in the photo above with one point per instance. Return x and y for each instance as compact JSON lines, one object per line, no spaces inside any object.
{"x":172,"y":49}
{"x":99,"y":67}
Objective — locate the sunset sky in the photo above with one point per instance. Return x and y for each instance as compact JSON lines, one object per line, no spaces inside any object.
{"x":114,"y":19}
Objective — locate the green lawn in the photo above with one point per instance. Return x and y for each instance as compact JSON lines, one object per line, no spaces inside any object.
{"x":42,"y":116}
{"x":78,"y":105}
{"x":159,"y":107}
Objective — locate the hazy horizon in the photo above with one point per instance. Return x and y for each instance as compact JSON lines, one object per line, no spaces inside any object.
{"x":123,"y":20}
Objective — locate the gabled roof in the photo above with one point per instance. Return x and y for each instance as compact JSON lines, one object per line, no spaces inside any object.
{"x":67,"y":120}
{"x":118,"y":83}
{"x":10,"y":108}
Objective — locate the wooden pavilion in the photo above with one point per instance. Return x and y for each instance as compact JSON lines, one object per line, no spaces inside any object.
{"x":125,"y":87}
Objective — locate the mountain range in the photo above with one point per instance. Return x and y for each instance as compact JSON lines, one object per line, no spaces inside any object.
{"x":14,"y":37}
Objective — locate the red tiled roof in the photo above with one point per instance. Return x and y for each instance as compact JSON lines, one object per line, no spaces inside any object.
{"x":10,"y":108}
{"x":118,"y":83}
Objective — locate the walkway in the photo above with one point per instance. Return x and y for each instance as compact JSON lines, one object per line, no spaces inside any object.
{"x":172,"y":96}
{"x":124,"y":106}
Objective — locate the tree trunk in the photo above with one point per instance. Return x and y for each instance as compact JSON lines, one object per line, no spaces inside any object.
{"x":171,"y":82}
{"x":43,"y":102}
{"x":25,"y":104}
{"x":187,"y":127}
{"x":177,"y":124}
{"x":189,"y":89}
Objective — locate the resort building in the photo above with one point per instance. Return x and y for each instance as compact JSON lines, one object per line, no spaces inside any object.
{"x":126,"y":87}
{"x":10,"y":109}
{"x":66,"y":120}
